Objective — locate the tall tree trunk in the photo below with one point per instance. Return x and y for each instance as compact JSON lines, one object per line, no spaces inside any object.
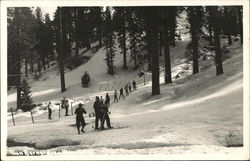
{"x":88,"y":44}
{"x":18,"y":66}
{"x":124,"y":43}
{"x":228,"y":29}
{"x":43,"y":63}
{"x":48,"y":61}
{"x":210,"y":25}
{"x":135,"y":61}
{"x":61,"y":53}
{"x":239,"y":12}
{"x":155,"y":63}
{"x":160,"y":43}
{"x":149,"y":48}
{"x":218,"y":60}
{"x":167,"y":62}
{"x":229,"y":39}
{"x":26,"y":67}
{"x":195,"y":53}
{"x":39,"y":65}
{"x":76,"y":29}
{"x":32,"y":64}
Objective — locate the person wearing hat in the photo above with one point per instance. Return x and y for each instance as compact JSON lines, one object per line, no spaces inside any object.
{"x":79,"y":117}
{"x":97,"y":109}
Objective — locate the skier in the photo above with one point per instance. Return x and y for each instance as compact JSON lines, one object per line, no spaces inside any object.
{"x":79,"y":117}
{"x":101,"y":100}
{"x":121,"y":94}
{"x":134,"y":85}
{"x":108,"y":99}
{"x":97,"y":108}
{"x":129,"y":87}
{"x":126,"y":89}
{"x":66,"y":105}
{"x":49,"y":111}
{"x":105,"y":116}
{"x":115,"y":96}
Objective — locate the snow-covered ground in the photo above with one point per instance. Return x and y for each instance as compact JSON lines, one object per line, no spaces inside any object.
{"x":196,"y":114}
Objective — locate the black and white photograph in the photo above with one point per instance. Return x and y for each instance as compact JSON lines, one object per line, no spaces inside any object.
{"x":119,"y":81}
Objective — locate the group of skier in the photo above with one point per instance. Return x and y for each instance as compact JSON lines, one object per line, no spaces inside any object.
{"x":101,"y":109}
{"x":127,"y":88}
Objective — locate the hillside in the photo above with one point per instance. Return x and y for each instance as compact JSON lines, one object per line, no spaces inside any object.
{"x":206,"y":107}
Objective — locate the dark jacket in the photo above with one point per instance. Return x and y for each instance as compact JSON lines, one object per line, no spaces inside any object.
{"x":79,"y":112}
{"x":97,"y":107}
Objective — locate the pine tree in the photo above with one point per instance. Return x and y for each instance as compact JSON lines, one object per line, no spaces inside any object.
{"x":216,"y":27}
{"x":25,"y":97}
{"x":165,"y":15}
{"x":209,"y":22}
{"x":195,"y":18}
{"x":240,"y":25}
{"x":109,"y":41}
{"x":120,"y":19}
{"x":172,"y":14}
{"x":20,"y":43}
{"x":135,"y":35}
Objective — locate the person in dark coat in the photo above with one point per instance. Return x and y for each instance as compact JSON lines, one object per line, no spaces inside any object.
{"x":134,"y":85}
{"x":49,"y":111}
{"x":66,"y":106}
{"x":108,"y":99}
{"x":105,"y":116}
{"x":97,"y":109}
{"x":121,"y":94}
{"x":79,"y":117}
{"x":115,"y":96}
{"x":129,"y":87}
{"x":101,"y":100}
{"x":126,"y":89}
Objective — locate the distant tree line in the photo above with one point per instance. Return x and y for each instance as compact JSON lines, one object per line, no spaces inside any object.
{"x":35,"y":40}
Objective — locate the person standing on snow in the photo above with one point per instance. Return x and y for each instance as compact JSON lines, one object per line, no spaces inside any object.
{"x":115,"y":96}
{"x":126,"y":89}
{"x":121,"y":94}
{"x":97,"y":108}
{"x":134,"y":85}
{"x":49,"y":111}
{"x":66,"y":106}
{"x":101,"y":100}
{"x":129,"y":87}
{"x":108,"y":99}
{"x":105,"y":116}
{"x":79,"y":117}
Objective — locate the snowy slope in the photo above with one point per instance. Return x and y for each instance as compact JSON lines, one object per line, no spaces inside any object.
{"x":199,"y":113}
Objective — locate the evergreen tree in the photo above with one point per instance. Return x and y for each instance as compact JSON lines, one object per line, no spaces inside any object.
{"x":239,"y":19}
{"x":25,"y":97}
{"x":135,"y":35}
{"x":195,"y":18}
{"x":60,"y":49}
{"x":172,"y":14}
{"x":97,"y":21}
{"x":209,"y":22}
{"x":165,"y":15}
{"x":120,"y":19}
{"x":20,"y":43}
{"x":109,"y":41}
{"x":228,"y":23}
{"x":48,"y":39}
{"x":216,"y":27}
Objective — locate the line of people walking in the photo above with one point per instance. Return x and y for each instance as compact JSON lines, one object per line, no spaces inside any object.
{"x":127,"y":88}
